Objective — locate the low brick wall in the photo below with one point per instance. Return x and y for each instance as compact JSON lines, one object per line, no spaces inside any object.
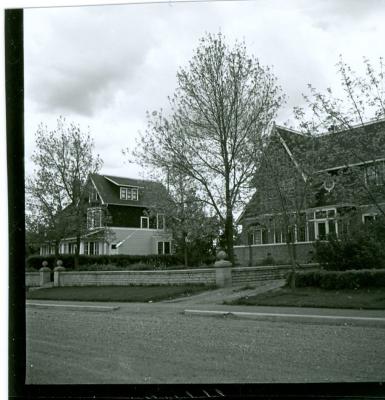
{"x":32,"y":279}
{"x":243,"y":276}
{"x":255,"y":254}
{"x":123,"y":278}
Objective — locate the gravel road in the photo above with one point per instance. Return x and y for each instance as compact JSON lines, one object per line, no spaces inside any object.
{"x":159,"y":344}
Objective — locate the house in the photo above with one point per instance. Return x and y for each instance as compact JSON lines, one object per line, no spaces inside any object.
{"x":123,"y":216}
{"x":312,"y":186}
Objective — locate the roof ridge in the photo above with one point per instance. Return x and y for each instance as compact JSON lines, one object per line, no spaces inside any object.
{"x":327,"y":133}
{"x":127,"y":177}
{"x":290,"y":130}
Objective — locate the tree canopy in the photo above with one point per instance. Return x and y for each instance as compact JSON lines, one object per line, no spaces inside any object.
{"x":57,"y":190}
{"x":224,"y":103}
{"x":348,"y":112}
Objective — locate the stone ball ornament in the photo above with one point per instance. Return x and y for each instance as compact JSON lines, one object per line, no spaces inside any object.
{"x":221,"y":255}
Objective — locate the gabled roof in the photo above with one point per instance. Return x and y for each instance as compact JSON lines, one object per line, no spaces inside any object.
{"x":108,"y":188}
{"x":329,"y":151}
{"x":337,"y":149}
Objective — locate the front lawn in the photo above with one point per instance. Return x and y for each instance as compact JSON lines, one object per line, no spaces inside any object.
{"x":319,"y":298}
{"x":116,"y":293}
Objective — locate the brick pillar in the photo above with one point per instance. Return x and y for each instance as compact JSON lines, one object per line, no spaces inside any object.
{"x":223,"y":270}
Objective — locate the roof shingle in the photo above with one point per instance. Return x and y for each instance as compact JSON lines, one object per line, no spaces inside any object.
{"x":108,"y":187}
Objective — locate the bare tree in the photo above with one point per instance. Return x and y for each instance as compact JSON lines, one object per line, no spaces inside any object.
{"x":224,"y":103}
{"x":348,"y":112}
{"x":284,"y":188}
{"x":58,"y":191}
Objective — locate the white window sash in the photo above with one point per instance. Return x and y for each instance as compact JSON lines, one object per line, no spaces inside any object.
{"x":142,"y":219}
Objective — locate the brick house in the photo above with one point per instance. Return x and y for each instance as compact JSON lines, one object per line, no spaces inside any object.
{"x":317,"y":185}
{"x":121,"y":218}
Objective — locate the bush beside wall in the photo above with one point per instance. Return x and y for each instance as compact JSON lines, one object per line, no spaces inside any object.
{"x":353,"y":279}
{"x":117,"y":262}
{"x":363,"y":247}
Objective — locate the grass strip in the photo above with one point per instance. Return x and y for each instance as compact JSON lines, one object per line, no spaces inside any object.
{"x":116,"y":293}
{"x":314,"y":297}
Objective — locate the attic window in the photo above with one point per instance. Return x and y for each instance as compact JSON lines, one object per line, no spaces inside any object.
{"x":375,"y":174}
{"x":127,"y":193}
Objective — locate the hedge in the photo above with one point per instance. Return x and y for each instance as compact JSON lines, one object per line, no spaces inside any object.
{"x":120,"y":261}
{"x":363,"y":247}
{"x":353,"y":279}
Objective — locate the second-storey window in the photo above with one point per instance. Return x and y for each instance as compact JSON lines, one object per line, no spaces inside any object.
{"x":93,"y":195}
{"x":144,"y":222}
{"x":160,"y":221}
{"x":127,"y":193}
{"x":375,"y":174}
{"x":94,"y":218}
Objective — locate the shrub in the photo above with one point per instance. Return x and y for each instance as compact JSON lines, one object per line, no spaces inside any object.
{"x":364,"y":248}
{"x":268,"y":260}
{"x":121,"y":261}
{"x":331,"y":280}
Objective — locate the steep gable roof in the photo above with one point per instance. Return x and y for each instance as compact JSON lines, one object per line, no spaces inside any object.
{"x":108,"y":187}
{"x":328,"y":151}
{"x":337,"y":149}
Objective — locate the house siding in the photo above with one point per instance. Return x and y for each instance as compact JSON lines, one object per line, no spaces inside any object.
{"x":138,"y":241}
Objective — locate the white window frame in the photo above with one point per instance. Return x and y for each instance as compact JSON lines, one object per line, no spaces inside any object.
{"x":91,"y":245}
{"x":377,"y":175}
{"x":374,"y":215}
{"x":123,"y":193}
{"x":163,"y":246}
{"x":92,"y":222}
{"x":93,"y":195}
{"x":324,"y":220}
{"x":134,"y":194}
{"x":144,"y":219}
{"x":129,"y":193}
{"x":160,"y":217}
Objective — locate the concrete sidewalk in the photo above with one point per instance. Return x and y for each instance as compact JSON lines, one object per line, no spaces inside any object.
{"x":218,"y":296}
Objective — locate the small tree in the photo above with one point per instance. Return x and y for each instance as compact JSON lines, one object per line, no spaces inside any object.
{"x":224,"y":103}
{"x":284,"y":190}
{"x":194,"y":231}
{"x":58,"y":191}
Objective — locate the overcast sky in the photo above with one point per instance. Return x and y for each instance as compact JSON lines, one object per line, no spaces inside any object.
{"x":104,"y":66}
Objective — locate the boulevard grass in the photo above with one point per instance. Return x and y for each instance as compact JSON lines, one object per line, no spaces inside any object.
{"x":116,"y":293}
{"x":365,"y":298}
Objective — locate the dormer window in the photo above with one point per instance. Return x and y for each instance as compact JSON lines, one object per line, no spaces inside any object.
{"x":375,"y":174}
{"x":127,"y":193}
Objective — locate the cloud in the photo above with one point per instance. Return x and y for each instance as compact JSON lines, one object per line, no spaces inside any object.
{"x":105,"y":66}
{"x":79,"y":58}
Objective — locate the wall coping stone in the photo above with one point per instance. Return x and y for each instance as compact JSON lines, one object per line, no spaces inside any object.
{"x":273,"y":267}
{"x":162,"y":272}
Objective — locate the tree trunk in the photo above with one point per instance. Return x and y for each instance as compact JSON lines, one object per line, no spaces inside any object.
{"x":77,"y":252}
{"x":293,"y":262}
{"x":185,"y":250}
{"x":229,"y":237}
